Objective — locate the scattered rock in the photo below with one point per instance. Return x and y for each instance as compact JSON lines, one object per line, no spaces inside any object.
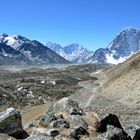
{"x":52,"y":132}
{"x":10,"y":123}
{"x":76,"y":133}
{"x":60,"y":123}
{"x":111,"y":119}
{"x":47,"y":119}
{"x":114,"y":133}
{"x":78,"y":120}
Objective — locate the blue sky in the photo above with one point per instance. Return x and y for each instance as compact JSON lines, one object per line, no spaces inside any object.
{"x":92,"y":23}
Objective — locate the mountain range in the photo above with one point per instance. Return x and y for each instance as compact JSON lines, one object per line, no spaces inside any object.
{"x":20,"y":50}
{"x":74,"y":52}
{"x":124,"y":45}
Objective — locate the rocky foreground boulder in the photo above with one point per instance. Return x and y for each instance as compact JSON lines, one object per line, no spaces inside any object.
{"x":63,"y":113}
{"x":65,"y":120}
{"x":115,"y":133}
{"x":68,"y":118}
{"x":10,"y":123}
{"x":111,"y":128}
{"x":111,"y":119}
{"x":67,"y":106}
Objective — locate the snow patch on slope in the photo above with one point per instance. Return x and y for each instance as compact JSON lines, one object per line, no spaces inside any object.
{"x":110,"y":59}
{"x":10,"y":40}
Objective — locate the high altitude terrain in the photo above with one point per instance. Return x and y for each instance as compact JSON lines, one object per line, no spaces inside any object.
{"x":20,"y":50}
{"x":93,"y":91}
{"x":72,"y":102}
{"x":124,"y":45}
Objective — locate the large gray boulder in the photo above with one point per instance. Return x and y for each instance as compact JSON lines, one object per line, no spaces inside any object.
{"x":68,"y":106}
{"x":111,"y":119}
{"x":78,"y":120}
{"x":10,"y":123}
{"x":133,"y":130}
{"x":114,"y":133}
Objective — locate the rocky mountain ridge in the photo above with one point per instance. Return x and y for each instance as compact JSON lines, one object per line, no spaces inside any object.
{"x":19,"y":49}
{"x":124,"y":45}
{"x":74,"y":52}
{"x":24,"y":51}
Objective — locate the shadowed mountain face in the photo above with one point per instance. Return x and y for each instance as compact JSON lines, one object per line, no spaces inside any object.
{"x":9,"y":55}
{"x":125,"y":44}
{"x":24,"y":51}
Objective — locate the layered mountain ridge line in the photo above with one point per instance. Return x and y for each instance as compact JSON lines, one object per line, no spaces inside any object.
{"x":125,"y":44}
{"x":20,"y":50}
{"x":17,"y":49}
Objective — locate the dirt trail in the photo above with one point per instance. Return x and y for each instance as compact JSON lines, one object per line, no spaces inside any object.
{"x":88,"y":90}
{"x":34,"y":113}
{"x":82,"y":96}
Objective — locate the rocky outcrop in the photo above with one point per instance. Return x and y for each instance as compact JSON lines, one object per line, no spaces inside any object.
{"x":111,"y":119}
{"x":78,"y":120}
{"x":10,"y":123}
{"x":67,"y":106}
{"x":63,"y":125}
{"x":114,"y":133}
{"x":111,"y":128}
{"x":132,"y":130}
{"x":67,"y":116}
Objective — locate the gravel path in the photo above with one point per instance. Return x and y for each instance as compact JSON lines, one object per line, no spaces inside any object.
{"x":88,"y":90}
{"x":35,"y":112}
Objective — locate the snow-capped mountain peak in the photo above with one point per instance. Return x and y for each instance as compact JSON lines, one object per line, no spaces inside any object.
{"x":124,"y":45}
{"x":74,"y":52}
{"x":27,"y":51}
{"x":14,"y":41}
